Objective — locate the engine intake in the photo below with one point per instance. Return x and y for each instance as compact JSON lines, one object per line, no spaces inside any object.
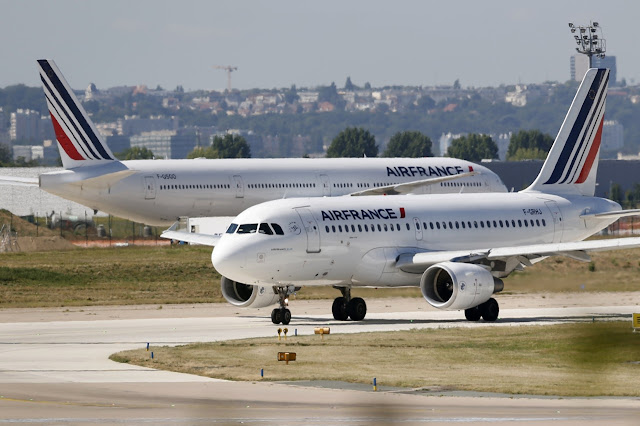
{"x":455,"y":286}
{"x":246,"y":295}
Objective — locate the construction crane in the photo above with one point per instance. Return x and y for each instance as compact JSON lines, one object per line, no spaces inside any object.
{"x":229,"y":70}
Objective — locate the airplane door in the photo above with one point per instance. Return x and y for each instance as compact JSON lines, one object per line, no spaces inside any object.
{"x":326,"y":187}
{"x":237,"y":180}
{"x":557,"y":220}
{"x":311,"y":228}
{"x":418,"y":227}
{"x":149,"y":188}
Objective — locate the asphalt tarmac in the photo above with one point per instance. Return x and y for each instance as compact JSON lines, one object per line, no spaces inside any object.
{"x":54,"y":369}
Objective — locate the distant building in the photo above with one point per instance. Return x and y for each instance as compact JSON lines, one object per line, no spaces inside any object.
{"x":24,"y":125}
{"x":579,"y":64}
{"x":168,"y":144}
{"x":445,"y":141}
{"x":133,"y":125}
{"x":28,"y":152}
{"x":612,"y":135}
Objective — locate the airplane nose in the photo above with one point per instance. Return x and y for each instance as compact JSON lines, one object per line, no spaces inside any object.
{"x":228,"y":261}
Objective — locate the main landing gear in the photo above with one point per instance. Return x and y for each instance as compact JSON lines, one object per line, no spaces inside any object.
{"x":488,"y":310}
{"x":282,"y":314}
{"x":345,"y":307}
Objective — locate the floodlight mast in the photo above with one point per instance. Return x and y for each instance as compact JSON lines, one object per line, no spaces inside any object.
{"x":589,"y":40}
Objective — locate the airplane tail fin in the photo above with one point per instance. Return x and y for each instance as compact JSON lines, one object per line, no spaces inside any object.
{"x":79,"y":142}
{"x":572,"y":163}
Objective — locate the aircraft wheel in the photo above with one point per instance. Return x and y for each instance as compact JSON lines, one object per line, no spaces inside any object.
{"x":472,"y":314}
{"x":286,"y":316}
{"x":276,"y":316}
{"x":339,"y":309}
{"x":357,"y":309}
{"x":490,"y":310}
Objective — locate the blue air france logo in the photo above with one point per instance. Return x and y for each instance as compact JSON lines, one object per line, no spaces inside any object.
{"x":363,"y":214}
{"x":583,"y":143}
{"x":426,"y":172}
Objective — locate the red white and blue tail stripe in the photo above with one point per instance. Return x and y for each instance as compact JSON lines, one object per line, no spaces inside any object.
{"x":572,"y":163}
{"x":79,"y":142}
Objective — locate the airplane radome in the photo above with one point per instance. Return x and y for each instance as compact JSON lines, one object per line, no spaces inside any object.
{"x":158,"y":192}
{"x":456,"y":247}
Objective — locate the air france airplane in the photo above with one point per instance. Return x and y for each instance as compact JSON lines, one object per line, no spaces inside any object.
{"x":456,"y":247}
{"x":158,"y":192}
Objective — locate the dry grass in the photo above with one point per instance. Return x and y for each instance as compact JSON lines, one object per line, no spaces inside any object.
{"x":109,"y":276}
{"x":183,"y":274}
{"x":585,"y":359}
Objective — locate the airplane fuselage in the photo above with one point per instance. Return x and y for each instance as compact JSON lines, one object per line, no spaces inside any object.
{"x":342,"y":242}
{"x":158,"y":192}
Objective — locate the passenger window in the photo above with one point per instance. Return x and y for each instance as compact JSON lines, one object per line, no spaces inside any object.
{"x":385,"y":227}
{"x":488,"y":224}
{"x":444,"y":225}
{"x":409,"y":228}
{"x":519,"y":223}
{"x":457,"y":225}
{"x":353,"y":228}
{"x":450,"y":225}
{"x":438,"y":225}
{"x":526,"y":224}
{"x":495,"y":225}
{"x":379,"y":228}
{"x":501,"y":224}
{"x":513,"y":223}
{"x":326,"y":228}
{"x":482,"y":224}
{"x":248,"y":228}
{"x":340,"y":228}
{"x":544,"y":223}
{"x":232,"y":228}
{"x":418,"y":225}
{"x":462,"y":223}
{"x":537,"y":222}
{"x":333,"y":228}
{"x":475,"y":223}
{"x":360,"y":228}
{"x":431,"y":225}
{"x":264,"y":229}
{"x":346,"y":228}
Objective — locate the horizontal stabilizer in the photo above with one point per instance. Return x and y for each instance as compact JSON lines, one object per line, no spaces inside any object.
{"x":406,"y":188}
{"x":106,"y":180}
{"x":18,"y":181}
{"x":611,"y":215}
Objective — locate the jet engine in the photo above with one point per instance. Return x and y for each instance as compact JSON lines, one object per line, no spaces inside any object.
{"x":455,"y":286}
{"x":246,"y":295}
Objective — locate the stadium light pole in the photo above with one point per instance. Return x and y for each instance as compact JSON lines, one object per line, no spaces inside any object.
{"x":589,"y":40}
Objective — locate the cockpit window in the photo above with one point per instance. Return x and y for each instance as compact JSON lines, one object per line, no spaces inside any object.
{"x":248,"y":228}
{"x":232,"y":228}
{"x":277,"y":228}
{"x":265,"y":229}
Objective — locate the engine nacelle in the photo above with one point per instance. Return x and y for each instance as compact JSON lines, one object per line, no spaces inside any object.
{"x":247,"y":296}
{"x":455,"y":286}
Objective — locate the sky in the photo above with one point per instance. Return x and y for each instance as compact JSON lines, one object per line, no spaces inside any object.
{"x":278,"y":43}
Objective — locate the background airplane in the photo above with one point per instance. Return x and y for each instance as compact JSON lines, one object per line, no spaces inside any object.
{"x":157,"y":192}
{"x":455,"y":247}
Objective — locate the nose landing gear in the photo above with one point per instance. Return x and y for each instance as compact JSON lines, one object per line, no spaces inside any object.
{"x":282,"y":315}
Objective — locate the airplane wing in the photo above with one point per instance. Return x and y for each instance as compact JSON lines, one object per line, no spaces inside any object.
{"x":527,"y":255}
{"x":179,"y":232}
{"x":405,"y":188}
{"x":192,"y":237}
{"x":18,"y":181}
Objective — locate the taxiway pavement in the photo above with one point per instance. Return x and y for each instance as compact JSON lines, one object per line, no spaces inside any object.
{"x":54,"y":368}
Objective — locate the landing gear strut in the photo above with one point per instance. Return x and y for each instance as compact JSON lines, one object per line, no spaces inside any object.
{"x":282,"y":314}
{"x":345,"y":307}
{"x":488,"y":310}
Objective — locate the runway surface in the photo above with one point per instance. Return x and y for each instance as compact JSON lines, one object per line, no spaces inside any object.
{"x":54,"y":368}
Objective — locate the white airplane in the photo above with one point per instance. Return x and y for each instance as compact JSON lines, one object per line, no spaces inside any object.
{"x":158,"y":192}
{"x":455,"y":247}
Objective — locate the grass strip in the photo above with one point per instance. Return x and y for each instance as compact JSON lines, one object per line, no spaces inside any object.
{"x":583,"y":359}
